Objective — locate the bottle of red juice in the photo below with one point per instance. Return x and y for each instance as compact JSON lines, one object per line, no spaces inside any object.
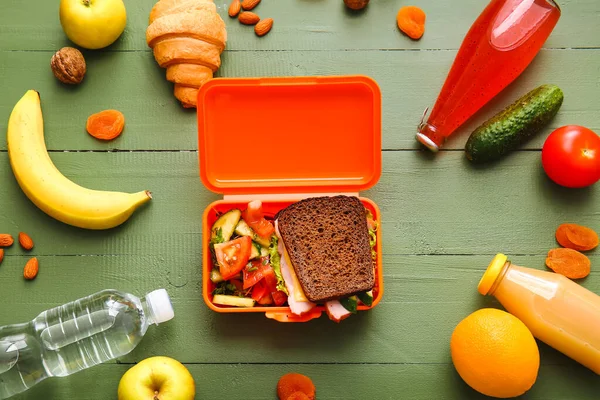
{"x":499,"y":46}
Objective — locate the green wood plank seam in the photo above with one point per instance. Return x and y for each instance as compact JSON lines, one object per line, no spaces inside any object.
{"x":316,"y":363}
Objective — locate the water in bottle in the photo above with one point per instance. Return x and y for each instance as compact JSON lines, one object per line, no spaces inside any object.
{"x":78,"y":335}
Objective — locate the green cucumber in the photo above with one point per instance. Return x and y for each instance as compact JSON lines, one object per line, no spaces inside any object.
{"x":515,"y":125}
{"x":366,"y":298}
{"x":223,"y":228}
{"x":349,"y":303}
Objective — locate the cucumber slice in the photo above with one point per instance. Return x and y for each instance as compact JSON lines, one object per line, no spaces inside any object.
{"x":235,"y":301}
{"x":243,"y":229}
{"x":366,"y":298}
{"x":349,"y":303}
{"x":215,"y":276}
{"x":264,"y":252}
{"x":255,"y":251}
{"x":225,"y":226}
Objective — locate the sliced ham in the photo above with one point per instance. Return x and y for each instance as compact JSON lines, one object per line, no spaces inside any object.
{"x":336,"y":311}
{"x":297,"y":307}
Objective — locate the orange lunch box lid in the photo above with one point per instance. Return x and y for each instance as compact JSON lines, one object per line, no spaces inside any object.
{"x":289,"y":134}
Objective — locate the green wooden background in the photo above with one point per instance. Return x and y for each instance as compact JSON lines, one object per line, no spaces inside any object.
{"x":443,"y":220}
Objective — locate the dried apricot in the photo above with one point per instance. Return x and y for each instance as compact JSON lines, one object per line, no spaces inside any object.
{"x":411,"y":21}
{"x":576,"y":237}
{"x":569,"y":262}
{"x":106,"y":125}
{"x":291,"y":383}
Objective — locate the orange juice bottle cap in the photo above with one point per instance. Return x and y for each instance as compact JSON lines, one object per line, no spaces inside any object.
{"x":491,"y":274}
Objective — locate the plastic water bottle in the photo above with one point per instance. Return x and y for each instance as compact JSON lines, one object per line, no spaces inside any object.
{"x":76,"y":336}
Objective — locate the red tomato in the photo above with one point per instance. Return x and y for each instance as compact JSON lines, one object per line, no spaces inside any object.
{"x":270,"y":278}
{"x":254,"y":217}
{"x":266,"y":300}
{"x":253,"y":273}
{"x":571,"y":156}
{"x":259,"y":291}
{"x":279,"y":298}
{"x":263,"y":228}
{"x":259,"y":270}
{"x":232,"y":256}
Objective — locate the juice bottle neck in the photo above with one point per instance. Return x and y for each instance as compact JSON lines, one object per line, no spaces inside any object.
{"x":507,"y":266}
{"x":429,"y":136}
{"x":493,"y":276}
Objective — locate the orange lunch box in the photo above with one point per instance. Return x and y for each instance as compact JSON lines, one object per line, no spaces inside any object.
{"x":280,"y":140}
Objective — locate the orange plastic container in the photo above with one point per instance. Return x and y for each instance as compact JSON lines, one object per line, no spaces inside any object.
{"x":280,"y":140}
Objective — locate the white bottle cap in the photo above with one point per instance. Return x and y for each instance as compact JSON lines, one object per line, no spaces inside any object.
{"x":160,"y":304}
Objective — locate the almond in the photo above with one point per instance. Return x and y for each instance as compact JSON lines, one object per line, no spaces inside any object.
{"x":248,"y":18}
{"x":31,"y":269}
{"x":25,"y":241}
{"x":6,"y":240}
{"x":249,"y":4}
{"x":234,"y":8}
{"x":1,"y":255}
{"x":263,"y":27}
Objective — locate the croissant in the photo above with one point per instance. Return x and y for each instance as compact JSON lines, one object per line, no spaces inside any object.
{"x":187,"y":38}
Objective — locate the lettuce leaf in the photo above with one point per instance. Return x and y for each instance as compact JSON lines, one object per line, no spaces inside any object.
{"x":275,"y":259}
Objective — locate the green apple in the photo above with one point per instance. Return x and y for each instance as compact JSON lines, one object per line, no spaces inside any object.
{"x":157,"y":378}
{"x":93,"y":24}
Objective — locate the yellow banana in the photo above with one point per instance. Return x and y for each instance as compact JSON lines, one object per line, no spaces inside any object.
{"x":50,"y":190}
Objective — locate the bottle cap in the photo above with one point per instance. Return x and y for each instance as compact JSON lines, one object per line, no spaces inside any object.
{"x":160,"y":304}
{"x":491,"y":274}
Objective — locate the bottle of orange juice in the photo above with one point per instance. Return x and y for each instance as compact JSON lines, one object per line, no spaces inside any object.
{"x":557,"y":311}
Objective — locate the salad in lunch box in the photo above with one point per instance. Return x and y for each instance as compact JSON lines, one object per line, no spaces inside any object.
{"x":318,"y":251}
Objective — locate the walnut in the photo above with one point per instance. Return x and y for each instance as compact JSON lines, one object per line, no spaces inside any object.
{"x":68,"y":65}
{"x":356,"y":4}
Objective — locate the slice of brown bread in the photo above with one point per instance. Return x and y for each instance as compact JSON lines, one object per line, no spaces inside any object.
{"x":327,"y":239}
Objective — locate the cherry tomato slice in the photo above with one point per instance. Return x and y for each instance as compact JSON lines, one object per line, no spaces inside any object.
{"x":270,"y":277}
{"x":232,"y":256}
{"x":266,"y":300}
{"x":279,"y":298}
{"x":259,"y":291}
{"x":254,"y":217}
{"x":262,"y":227}
{"x":253,"y":273}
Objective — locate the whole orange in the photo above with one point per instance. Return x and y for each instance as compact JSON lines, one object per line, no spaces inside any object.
{"x":495,"y":353}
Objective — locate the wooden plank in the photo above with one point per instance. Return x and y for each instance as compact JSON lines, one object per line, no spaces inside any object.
{"x":332,"y":382}
{"x":424,"y":298}
{"x":302,"y":25}
{"x":410,"y":82}
{"x":438,"y":205}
